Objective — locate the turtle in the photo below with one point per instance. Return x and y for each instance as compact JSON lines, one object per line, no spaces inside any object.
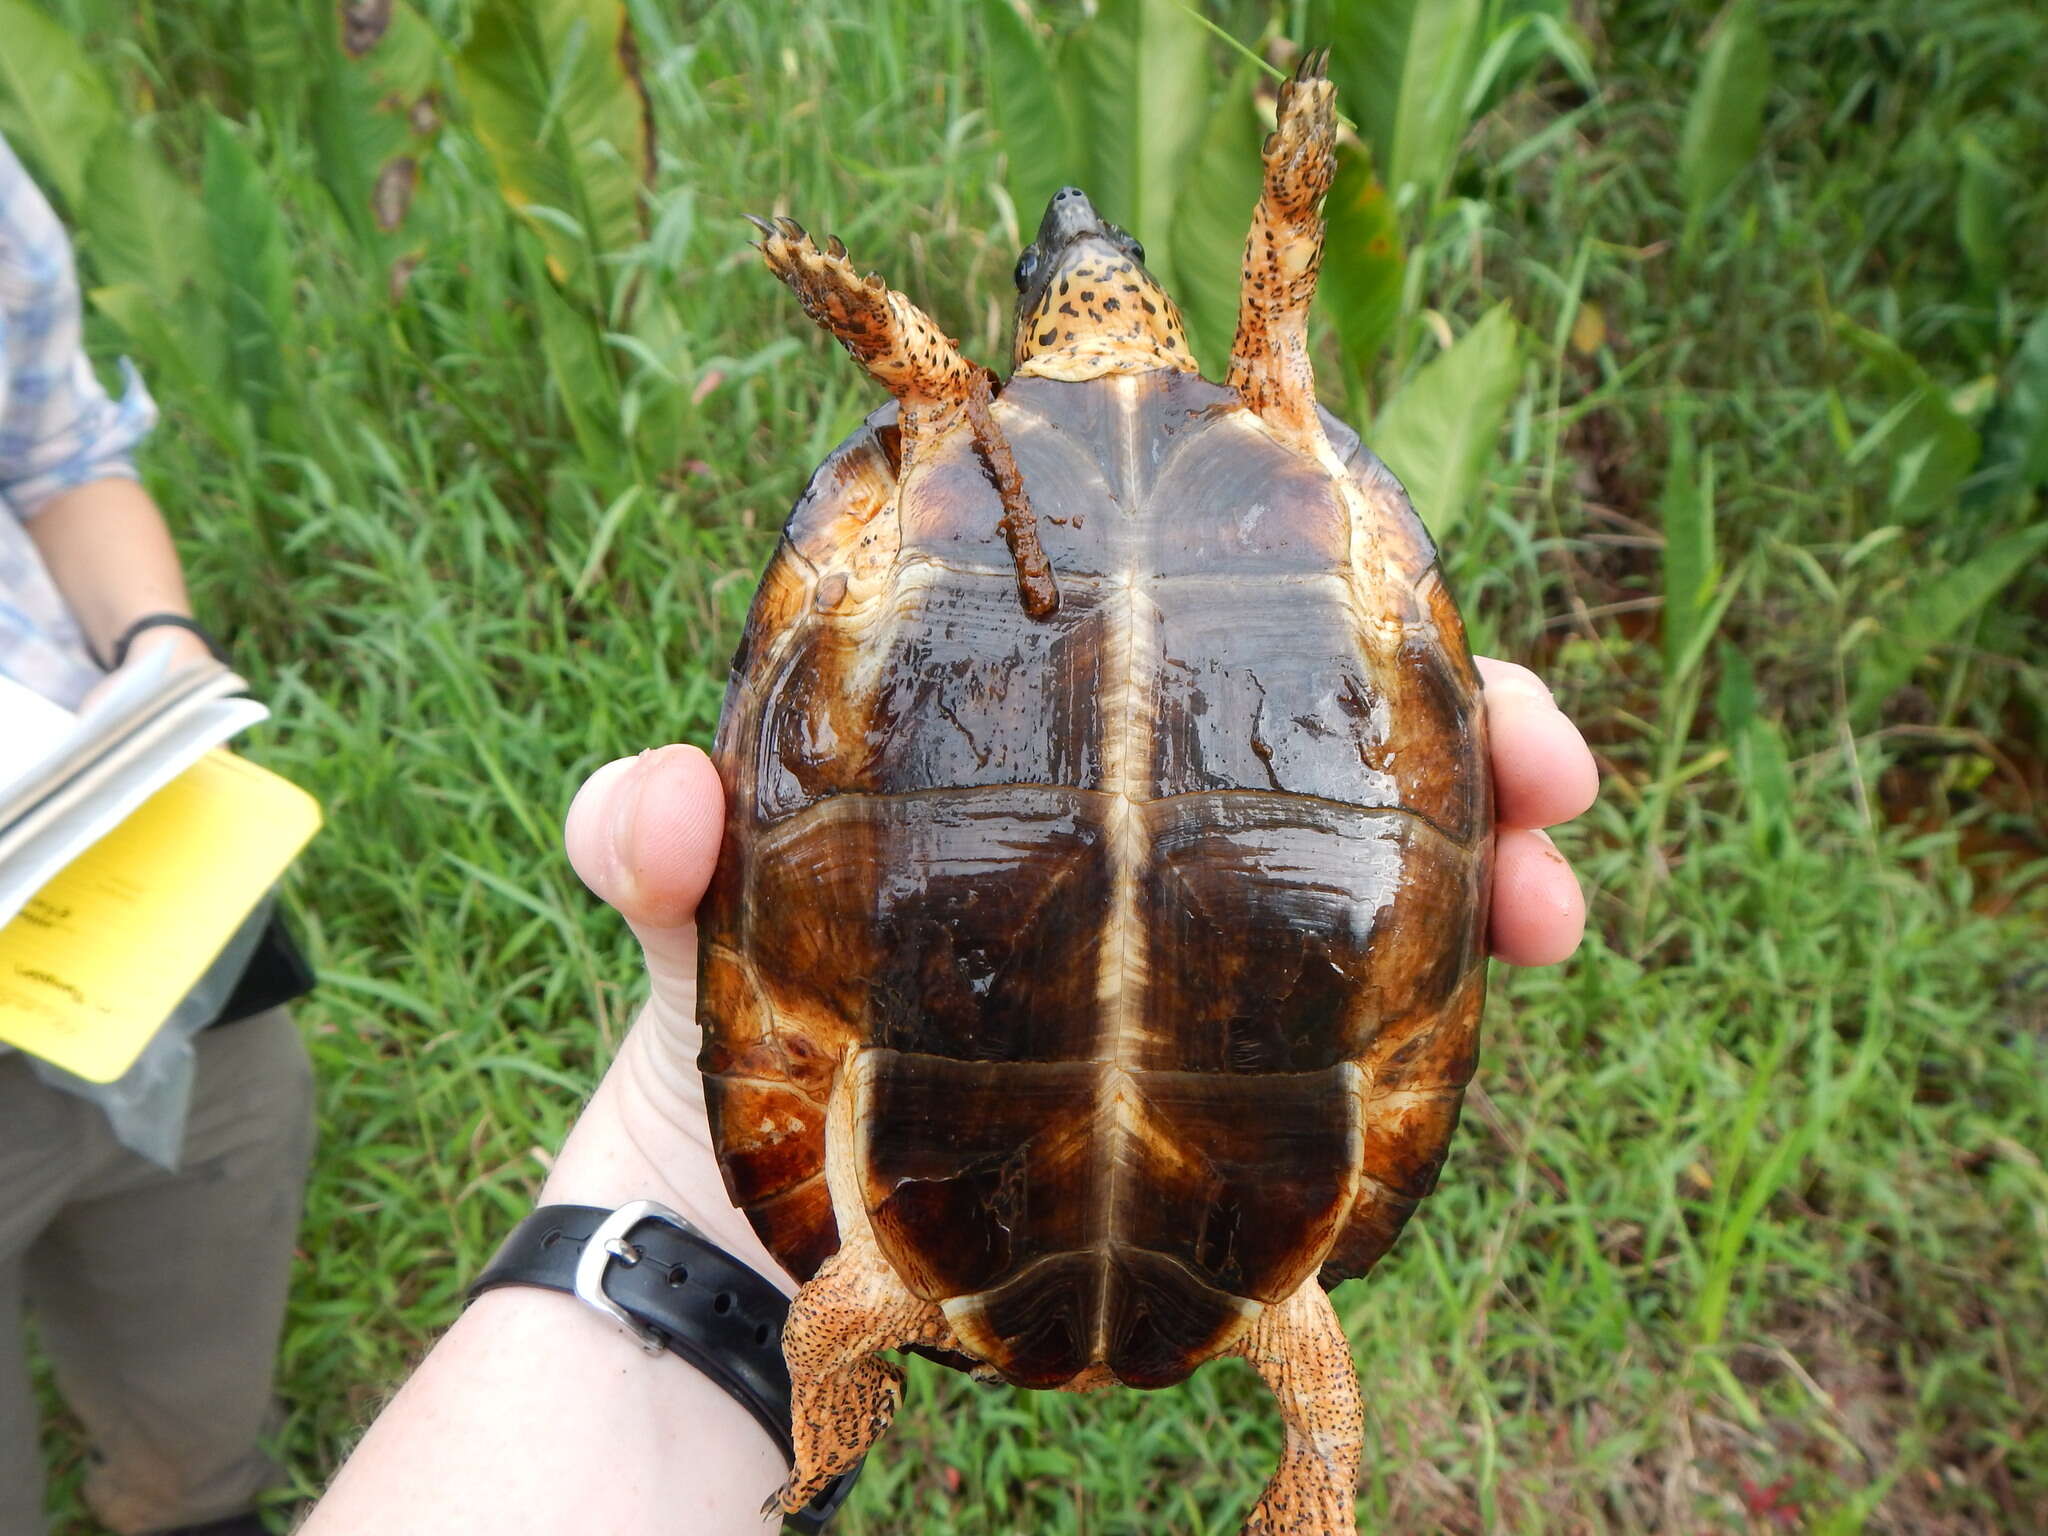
{"x":1093,"y":967}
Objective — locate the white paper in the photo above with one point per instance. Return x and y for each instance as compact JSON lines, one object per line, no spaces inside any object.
{"x":67,"y":780}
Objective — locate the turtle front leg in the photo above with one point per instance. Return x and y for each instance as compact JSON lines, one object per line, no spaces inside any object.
{"x":1298,"y":1347}
{"x":842,"y":1395}
{"x":1269,"y":362}
{"x":899,"y":344}
{"x":934,"y":383}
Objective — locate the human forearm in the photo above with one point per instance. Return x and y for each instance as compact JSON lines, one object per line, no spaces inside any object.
{"x":111,"y":556}
{"x":535,"y":1415}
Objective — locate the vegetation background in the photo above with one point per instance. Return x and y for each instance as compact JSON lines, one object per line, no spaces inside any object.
{"x":1711,"y":342}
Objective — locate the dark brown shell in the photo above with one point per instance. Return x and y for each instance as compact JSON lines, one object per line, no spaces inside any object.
{"x":1144,"y":943}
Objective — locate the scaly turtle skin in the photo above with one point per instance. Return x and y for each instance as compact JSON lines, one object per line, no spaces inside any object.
{"x":1094,"y":965}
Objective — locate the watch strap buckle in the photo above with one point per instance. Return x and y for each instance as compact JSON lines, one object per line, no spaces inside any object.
{"x":608,"y":1245}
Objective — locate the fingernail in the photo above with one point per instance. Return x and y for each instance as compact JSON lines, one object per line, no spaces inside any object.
{"x":1524,"y":686}
{"x":625,"y":809}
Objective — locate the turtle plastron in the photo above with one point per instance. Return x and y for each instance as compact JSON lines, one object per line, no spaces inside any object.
{"x":1269,"y":361}
{"x":1089,"y":986}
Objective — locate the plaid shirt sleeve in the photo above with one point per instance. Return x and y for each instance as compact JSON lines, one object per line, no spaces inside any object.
{"x":58,"y":428}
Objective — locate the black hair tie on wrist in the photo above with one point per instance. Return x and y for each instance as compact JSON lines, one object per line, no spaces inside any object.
{"x":151,"y":621}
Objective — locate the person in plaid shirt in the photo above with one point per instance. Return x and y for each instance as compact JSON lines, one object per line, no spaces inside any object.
{"x":158,"y":1293}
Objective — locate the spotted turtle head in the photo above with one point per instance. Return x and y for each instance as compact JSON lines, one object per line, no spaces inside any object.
{"x":1086,"y":306}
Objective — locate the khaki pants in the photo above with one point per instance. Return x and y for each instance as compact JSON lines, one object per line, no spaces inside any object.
{"x":158,"y":1296}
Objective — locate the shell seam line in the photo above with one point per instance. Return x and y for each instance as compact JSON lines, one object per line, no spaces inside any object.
{"x":862,"y":797}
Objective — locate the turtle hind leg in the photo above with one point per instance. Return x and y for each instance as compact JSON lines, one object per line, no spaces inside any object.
{"x":1269,"y":361}
{"x":842,"y":1395}
{"x":1299,"y":1349}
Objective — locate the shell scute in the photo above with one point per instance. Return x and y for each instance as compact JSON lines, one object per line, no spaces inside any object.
{"x":1293,"y":928}
{"x":1236,"y":506}
{"x":938,"y":923}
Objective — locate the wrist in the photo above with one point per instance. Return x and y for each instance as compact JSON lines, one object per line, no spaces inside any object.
{"x":644,"y":1136}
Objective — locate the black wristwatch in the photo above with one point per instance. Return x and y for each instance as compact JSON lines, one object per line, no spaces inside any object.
{"x":673,"y":1289}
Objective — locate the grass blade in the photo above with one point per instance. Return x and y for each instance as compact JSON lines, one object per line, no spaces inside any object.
{"x":1690,"y":570}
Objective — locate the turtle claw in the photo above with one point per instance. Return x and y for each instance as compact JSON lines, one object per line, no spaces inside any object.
{"x":790,"y":230}
{"x":760,"y":223}
{"x":835,"y":249}
{"x":1300,"y":153}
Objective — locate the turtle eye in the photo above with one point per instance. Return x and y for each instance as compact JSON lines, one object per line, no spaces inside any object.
{"x":1026,"y":265}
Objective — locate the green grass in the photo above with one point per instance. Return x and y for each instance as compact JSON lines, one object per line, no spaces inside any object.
{"x":1749,"y":1215}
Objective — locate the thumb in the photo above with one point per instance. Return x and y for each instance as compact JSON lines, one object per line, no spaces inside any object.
{"x":643,"y":834}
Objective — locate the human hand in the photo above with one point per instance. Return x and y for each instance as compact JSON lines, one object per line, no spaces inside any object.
{"x":643,"y":834}
{"x":644,"y":831}
{"x":1542,"y":775}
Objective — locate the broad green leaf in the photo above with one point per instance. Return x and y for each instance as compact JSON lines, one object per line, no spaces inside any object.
{"x":140,"y":222}
{"x":1933,"y":611}
{"x":2023,"y":435}
{"x":1363,"y":263}
{"x":553,"y":91}
{"x":582,"y":374}
{"x":1983,"y":197}
{"x":54,"y":103}
{"x":250,"y":255}
{"x":182,"y":341}
{"x":1142,"y":82}
{"x":373,"y":116}
{"x":1217,"y":198}
{"x":1404,"y":69}
{"x":1026,"y":99}
{"x":1691,"y":572}
{"x":1930,"y":448}
{"x":1724,"y":122}
{"x":1439,"y":431}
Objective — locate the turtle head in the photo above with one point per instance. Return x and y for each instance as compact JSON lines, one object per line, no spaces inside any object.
{"x":1086,"y":306}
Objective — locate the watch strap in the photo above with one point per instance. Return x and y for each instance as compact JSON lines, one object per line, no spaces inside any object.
{"x":674,"y":1290}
